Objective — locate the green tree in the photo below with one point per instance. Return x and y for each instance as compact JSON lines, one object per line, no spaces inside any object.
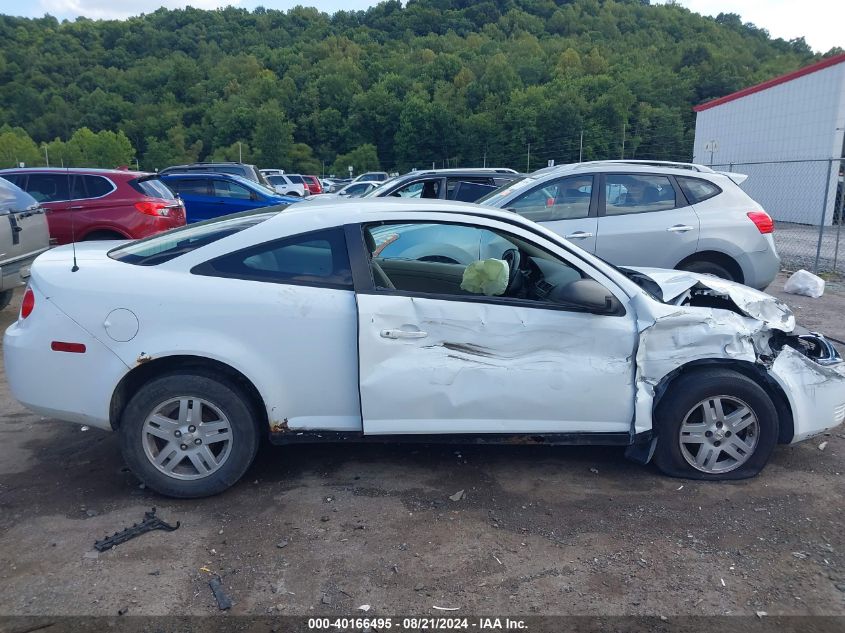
{"x":362,"y":158}
{"x":273,"y":136}
{"x":17,"y":147}
{"x":301,"y":160}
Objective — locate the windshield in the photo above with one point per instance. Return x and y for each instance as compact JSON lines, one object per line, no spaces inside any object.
{"x":163,"y":247}
{"x":493,"y":198}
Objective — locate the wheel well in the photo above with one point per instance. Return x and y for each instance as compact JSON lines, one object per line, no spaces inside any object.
{"x":714,"y":257}
{"x":144,"y":372}
{"x":786,"y":425}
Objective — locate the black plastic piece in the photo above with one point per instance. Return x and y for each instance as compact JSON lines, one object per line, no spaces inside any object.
{"x":151,"y":522}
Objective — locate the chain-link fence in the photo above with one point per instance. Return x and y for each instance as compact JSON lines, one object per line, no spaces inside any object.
{"x":806,"y":200}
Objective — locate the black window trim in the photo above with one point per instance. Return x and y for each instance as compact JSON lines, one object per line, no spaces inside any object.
{"x":73,"y":176}
{"x":679,"y":195}
{"x":683,"y":193}
{"x":365,"y":284}
{"x":312,"y":283}
{"x":595,"y":201}
{"x":421,"y":178}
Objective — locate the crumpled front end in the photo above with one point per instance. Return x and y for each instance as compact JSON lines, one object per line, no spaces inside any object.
{"x":708,"y":319}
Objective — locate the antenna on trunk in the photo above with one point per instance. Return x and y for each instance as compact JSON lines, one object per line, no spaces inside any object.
{"x":73,"y":268}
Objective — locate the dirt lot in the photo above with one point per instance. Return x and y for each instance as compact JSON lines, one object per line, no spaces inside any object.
{"x":325,"y":529}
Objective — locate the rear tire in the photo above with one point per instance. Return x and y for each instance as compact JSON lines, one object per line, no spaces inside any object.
{"x":715,"y":424}
{"x":6,"y":298}
{"x":187,"y":434}
{"x":704,"y":267}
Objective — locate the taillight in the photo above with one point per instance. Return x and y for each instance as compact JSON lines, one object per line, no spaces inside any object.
{"x":28,"y":303}
{"x":762,"y":221}
{"x":157,"y":208}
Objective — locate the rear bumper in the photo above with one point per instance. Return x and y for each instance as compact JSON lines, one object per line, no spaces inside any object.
{"x":760,"y":268}
{"x":76,"y":387}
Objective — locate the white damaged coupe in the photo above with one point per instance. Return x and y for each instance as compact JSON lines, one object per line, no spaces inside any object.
{"x":396,"y":320}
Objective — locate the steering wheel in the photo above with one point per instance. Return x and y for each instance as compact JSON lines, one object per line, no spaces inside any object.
{"x":514,"y":259}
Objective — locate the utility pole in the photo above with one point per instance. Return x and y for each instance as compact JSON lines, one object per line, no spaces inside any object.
{"x":528,"y":162}
{"x":624,"y":123}
{"x":581,"y":147}
{"x":240,"y":153}
{"x":46,"y":156}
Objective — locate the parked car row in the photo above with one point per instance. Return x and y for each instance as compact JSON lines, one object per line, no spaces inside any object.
{"x":654,"y":214}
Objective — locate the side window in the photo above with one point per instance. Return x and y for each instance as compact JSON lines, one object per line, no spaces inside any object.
{"x":638,"y":193}
{"x":468,"y":189}
{"x":315,"y":259}
{"x":48,"y":187}
{"x":97,"y":186}
{"x":420,"y":189}
{"x":697,"y":189}
{"x":561,"y":199}
{"x":226,"y":189}
{"x":193,"y":186}
{"x":15,"y":179}
{"x":464,"y":261}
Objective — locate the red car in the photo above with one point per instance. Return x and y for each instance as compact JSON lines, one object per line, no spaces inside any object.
{"x":100,"y":204}
{"x":312,"y":183}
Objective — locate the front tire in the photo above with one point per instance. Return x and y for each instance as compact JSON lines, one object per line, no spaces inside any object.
{"x":715,"y":424}
{"x":189,"y":435}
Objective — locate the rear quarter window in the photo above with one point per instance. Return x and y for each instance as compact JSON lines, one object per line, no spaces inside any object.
{"x":697,"y":189}
{"x":318,"y":258}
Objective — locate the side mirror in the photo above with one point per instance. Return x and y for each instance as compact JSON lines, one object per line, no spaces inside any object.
{"x":590,"y":294}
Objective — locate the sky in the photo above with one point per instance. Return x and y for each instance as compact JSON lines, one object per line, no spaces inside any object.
{"x":819,"y":21}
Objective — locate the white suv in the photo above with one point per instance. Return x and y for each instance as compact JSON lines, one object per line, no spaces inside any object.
{"x":654,"y":214}
{"x":285,"y":184}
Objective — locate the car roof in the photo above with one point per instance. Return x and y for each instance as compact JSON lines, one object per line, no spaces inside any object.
{"x":465,"y":170}
{"x":94,"y":171}
{"x":630,"y":167}
{"x":213,"y":174}
{"x":357,"y":209}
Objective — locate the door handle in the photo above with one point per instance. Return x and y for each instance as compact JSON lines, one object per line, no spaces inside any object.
{"x":578,"y":235}
{"x":403,"y":334}
{"x":680,"y":228}
{"x":78,"y":206}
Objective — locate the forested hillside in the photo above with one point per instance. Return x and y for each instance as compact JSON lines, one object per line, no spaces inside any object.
{"x":438,"y":81}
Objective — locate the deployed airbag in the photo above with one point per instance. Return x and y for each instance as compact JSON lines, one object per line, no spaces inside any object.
{"x":486,"y":277}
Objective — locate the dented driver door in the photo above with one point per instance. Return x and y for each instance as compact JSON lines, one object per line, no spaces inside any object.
{"x":430,"y":363}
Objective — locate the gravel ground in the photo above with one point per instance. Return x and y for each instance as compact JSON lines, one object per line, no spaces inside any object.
{"x":325,"y":529}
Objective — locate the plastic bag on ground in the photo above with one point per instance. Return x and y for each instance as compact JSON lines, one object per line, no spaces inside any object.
{"x":805,"y":283}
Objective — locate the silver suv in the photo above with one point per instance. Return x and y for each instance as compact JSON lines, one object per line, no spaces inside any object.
{"x":651,"y":214}
{"x":23,"y":236}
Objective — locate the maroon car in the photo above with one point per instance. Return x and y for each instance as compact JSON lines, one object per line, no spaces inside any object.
{"x":100,"y":204}
{"x":312,"y":183}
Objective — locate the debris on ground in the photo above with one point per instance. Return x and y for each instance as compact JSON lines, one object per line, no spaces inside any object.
{"x":803,"y":282}
{"x":148,"y":524}
{"x":434,"y":606}
{"x":364,"y":607}
{"x":595,"y":471}
{"x":224,"y":602}
{"x":823,"y":445}
{"x":457,"y":496}
{"x":282,"y":543}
